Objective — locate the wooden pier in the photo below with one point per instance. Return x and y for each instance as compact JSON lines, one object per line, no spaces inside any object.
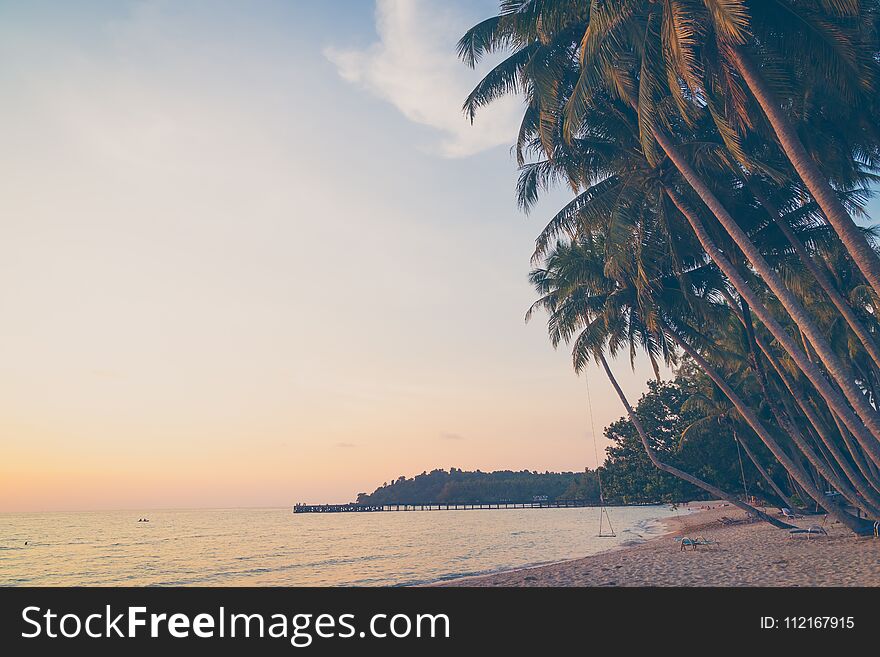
{"x":354,"y":507}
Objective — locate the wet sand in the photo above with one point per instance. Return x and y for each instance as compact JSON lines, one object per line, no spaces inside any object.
{"x":753,"y":554}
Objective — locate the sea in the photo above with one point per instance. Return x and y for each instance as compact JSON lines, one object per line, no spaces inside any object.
{"x":275,"y":547}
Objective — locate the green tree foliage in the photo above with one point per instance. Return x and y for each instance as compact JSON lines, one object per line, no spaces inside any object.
{"x":718,"y":154}
{"x":457,"y":486}
{"x":683,"y":436}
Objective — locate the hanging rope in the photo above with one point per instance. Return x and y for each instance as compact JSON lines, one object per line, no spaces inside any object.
{"x":603,"y":512}
{"x":742,"y":470}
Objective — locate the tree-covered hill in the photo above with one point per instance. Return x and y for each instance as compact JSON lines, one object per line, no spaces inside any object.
{"x":463,"y":487}
{"x":683,"y":426}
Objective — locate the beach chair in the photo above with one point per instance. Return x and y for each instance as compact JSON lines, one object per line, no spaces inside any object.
{"x":694,"y":543}
{"x":706,"y":542}
{"x":808,"y":532}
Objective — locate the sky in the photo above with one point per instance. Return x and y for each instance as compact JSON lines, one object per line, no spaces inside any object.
{"x":253,"y":254}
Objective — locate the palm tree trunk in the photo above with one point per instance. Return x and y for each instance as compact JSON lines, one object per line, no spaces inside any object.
{"x":854,"y":477}
{"x":835,"y":367}
{"x":821,"y":277}
{"x":847,"y":488}
{"x":857,"y":525}
{"x":865,"y":435}
{"x":862,"y":464}
{"x":857,"y":477}
{"x":699,"y":483}
{"x":763,"y":471}
{"x":850,"y":235}
{"x":861,"y":477}
{"x":865,"y":466}
{"x":868,"y":431}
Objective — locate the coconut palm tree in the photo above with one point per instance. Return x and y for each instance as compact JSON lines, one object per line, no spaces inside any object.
{"x":557,"y":85}
{"x":830,"y":45}
{"x":610,"y":198}
{"x":631,"y":247}
{"x":819,"y":273}
{"x":810,"y":369}
{"x":574,"y":310}
{"x":545,"y":65}
{"x":796,"y":401}
{"x":613,"y":204}
{"x":596,"y":313}
{"x":724,"y":54}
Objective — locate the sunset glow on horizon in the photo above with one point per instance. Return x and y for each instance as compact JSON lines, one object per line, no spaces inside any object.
{"x":248,"y":262}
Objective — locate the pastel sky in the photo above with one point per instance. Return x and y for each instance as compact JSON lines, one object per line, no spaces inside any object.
{"x":253,"y":254}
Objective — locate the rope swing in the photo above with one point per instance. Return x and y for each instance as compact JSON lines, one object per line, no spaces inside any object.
{"x":742,"y":470}
{"x":603,"y":511}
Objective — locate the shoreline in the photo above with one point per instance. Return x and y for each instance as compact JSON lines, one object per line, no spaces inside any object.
{"x":669,"y":526}
{"x":742,"y":554}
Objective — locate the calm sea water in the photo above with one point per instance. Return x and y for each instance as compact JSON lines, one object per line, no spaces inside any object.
{"x":265,"y":547}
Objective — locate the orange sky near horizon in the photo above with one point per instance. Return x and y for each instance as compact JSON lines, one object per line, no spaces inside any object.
{"x":216,"y":294}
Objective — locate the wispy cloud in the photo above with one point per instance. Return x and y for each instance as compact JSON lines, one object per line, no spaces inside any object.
{"x":451,"y":436}
{"x":345,"y":445}
{"x":414,"y":67}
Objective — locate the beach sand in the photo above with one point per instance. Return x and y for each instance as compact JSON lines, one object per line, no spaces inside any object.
{"x":754,"y":554}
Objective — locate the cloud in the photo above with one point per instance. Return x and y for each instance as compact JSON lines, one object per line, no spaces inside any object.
{"x":451,"y":436}
{"x":414,"y":67}
{"x":345,"y":445}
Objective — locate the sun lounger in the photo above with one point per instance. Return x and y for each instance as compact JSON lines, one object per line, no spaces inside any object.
{"x":694,"y":543}
{"x":808,"y":532}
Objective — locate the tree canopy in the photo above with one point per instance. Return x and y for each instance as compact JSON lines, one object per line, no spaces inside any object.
{"x":719,"y":154}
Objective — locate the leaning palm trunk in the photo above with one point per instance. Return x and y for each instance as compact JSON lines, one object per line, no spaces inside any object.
{"x":857,"y":525}
{"x":864,"y":465}
{"x":866,"y":438}
{"x":850,"y":235}
{"x":821,"y":427}
{"x":860,"y":477}
{"x":846,"y":311}
{"x":763,"y":471}
{"x":786,"y":422}
{"x":699,"y":483}
{"x":854,"y":477}
{"x":869,"y":429}
{"x":835,"y":367}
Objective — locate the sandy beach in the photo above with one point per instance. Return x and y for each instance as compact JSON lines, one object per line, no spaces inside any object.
{"x":753,"y":554}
